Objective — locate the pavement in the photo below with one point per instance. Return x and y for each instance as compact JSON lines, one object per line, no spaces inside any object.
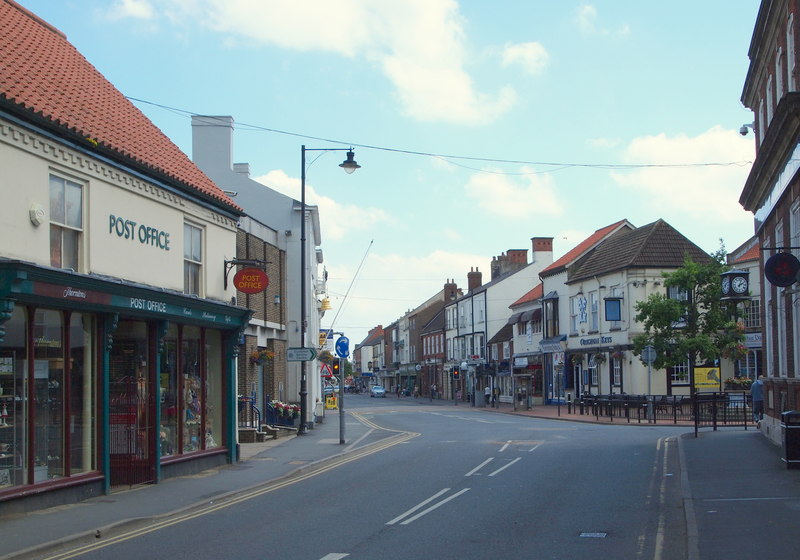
{"x":732,"y":480}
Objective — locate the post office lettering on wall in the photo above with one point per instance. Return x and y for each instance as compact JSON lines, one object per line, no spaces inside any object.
{"x":146,"y":235}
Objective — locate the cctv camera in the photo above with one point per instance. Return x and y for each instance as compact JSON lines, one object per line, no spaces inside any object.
{"x":743,"y":130}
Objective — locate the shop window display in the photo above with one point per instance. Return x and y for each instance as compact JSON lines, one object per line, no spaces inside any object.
{"x":13,"y":453}
{"x":81,"y":423}
{"x":168,"y":394}
{"x":214,"y":389}
{"x":48,"y":403}
{"x":192,"y":390}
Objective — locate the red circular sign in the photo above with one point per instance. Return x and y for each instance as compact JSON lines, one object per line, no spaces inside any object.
{"x":781,"y":269}
{"x":251,"y":280}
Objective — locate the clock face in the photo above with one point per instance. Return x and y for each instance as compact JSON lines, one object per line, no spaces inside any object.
{"x":739,"y":285}
{"x":726,"y":285}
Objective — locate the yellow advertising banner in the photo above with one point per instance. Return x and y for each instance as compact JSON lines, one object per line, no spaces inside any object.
{"x":707,"y":378}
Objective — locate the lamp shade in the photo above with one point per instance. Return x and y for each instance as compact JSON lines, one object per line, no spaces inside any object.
{"x":350,"y":164}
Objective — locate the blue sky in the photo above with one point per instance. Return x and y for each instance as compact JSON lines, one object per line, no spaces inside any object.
{"x":564,"y":117}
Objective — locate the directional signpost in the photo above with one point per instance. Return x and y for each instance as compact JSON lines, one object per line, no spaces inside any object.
{"x":300,"y":354}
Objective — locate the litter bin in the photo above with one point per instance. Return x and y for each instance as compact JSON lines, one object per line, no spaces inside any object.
{"x":790,"y":424}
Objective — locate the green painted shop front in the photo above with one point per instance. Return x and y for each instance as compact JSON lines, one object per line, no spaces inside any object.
{"x":107,"y":384}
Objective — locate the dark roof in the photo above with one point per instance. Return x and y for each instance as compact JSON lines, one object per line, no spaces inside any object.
{"x":45,"y":81}
{"x":655,"y":245}
{"x":436,"y":324}
{"x":503,"y":335}
{"x":581,"y":248}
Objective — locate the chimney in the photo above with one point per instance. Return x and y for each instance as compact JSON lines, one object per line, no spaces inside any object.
{"x":450,"y":291}
{"x":242,"y":169}
{"x":474,"y":280}
{"x":212,"y":143}
{"x":510,"y":261}
{"x":542,"y":250}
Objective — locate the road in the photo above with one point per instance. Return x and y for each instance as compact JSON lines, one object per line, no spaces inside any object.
{"x":445,"y":482}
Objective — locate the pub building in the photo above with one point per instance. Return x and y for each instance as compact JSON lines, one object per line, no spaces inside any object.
{"x":118,"y":336}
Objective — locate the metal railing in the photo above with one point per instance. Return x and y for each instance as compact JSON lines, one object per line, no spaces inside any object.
{"x":249,"y":413}
{"x":729,"y":408}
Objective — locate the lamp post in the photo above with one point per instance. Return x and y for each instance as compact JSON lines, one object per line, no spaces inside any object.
{"x":349,"y":165}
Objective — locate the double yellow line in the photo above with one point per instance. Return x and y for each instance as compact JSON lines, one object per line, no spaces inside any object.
{"x":226,"y":502}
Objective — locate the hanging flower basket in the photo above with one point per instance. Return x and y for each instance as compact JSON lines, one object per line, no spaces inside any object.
{"x":261,"y":356}
{"x":599,"y":358}
{"x":577,"y":358}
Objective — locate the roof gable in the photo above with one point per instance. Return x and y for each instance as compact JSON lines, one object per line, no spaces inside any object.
{"x":655,"y":245}
{"x":534,"y":295}
{"x":584,"y":246}
{"x":45,"y":80}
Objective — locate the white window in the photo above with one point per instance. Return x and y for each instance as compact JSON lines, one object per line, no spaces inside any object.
{"x":573,"y":315}
{"x":616,"y":371}
{"x":794,"y":241}
{"x":779,"y":74}
{"x":66,"y":222}
{"x":768,"y":95}
{"x":192,"y":258}
{"x":791,"y":86}
{"x":780,"y":311}
{"x":594,"y":311}
{"x":680,"y":373}
{"x":593,"y":377}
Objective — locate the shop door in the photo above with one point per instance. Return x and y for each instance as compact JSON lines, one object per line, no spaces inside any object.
{"x":131,"y":408}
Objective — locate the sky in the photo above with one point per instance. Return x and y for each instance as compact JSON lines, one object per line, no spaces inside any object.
{"x":478,"y":124}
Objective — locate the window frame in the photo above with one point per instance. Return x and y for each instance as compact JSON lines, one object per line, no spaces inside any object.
{"x":64,"y":226}
{"x":193,"y":261}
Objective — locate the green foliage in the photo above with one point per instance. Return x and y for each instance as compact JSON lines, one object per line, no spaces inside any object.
{"x":699,"y":326}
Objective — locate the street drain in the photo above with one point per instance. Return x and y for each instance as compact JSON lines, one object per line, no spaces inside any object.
{"x":593,"y":535}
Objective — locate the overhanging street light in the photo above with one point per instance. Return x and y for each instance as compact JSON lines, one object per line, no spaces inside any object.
{"x":349,"y":165}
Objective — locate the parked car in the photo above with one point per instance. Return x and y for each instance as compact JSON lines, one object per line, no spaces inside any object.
{"x":377,"y":391}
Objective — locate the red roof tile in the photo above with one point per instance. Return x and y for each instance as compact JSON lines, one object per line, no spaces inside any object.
{"x":752,"y":254}
{"x":584,"y":246}
{"x":43,"y":77}
{"x":532,"y":295}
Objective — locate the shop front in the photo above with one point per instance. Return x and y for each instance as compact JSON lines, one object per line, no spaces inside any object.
{"x":106,"y":384}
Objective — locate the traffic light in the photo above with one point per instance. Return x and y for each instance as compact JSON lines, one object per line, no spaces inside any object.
{"x":336,"y":367}
{"x":456,"y":373}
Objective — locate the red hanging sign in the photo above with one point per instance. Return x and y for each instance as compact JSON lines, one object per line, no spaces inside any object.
{"x":251,"y":280}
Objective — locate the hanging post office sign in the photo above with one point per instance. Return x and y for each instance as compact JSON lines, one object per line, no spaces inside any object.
{"x":251,"y":280}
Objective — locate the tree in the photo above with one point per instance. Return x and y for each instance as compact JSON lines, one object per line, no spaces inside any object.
{"x":696,"y":325}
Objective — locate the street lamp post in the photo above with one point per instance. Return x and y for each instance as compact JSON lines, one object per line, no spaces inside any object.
{"x":349,"y":165}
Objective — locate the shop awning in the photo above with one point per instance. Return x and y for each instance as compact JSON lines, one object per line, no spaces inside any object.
{"x":553,"y":344}
{"x":514,"y":318}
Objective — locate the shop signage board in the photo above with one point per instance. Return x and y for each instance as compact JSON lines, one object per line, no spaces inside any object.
{"x":251,"y":280}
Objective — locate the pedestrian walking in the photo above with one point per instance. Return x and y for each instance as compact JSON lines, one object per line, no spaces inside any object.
{"x":757,"y":395}
{"x":487,"y":394}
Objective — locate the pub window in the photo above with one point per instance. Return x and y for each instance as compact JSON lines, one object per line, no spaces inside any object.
{"x":66,"y":222}
{"x":680,"y":373}
{"x":192,"y":258}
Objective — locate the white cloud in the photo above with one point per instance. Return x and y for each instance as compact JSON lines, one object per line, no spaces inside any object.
{"x":705,"y":192}
{"x":513,"y":197}
{"x":137,"y":9}
{"x":533,"y":57}
{"x":336,"y":219}
{"x":586,"y":20}
{"x":418,"y":44}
